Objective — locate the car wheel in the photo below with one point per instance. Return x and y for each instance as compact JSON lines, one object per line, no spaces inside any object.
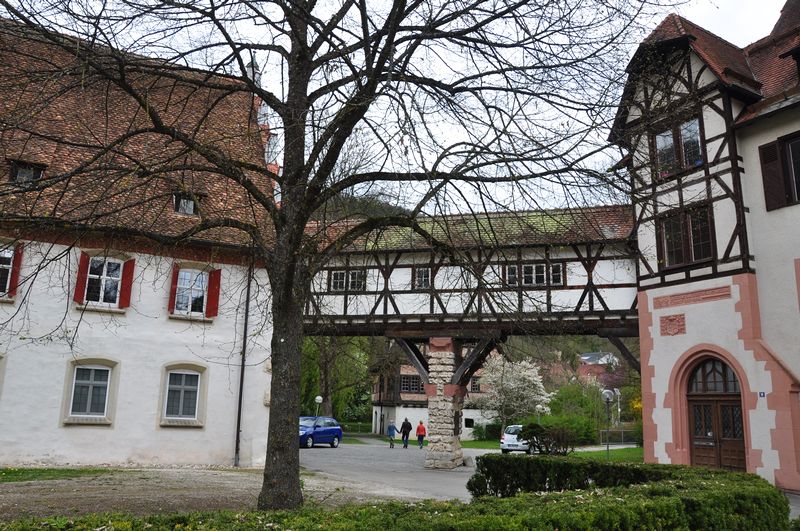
{"x":529,"y":451}
{"x":309,"y":442}
{"x":335,"y":442}
{"x":505,"y":451}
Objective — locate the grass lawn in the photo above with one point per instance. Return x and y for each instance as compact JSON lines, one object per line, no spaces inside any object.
{"x":622,"y":455}
{"x":38,"y":474}
{"x":483,"y":445}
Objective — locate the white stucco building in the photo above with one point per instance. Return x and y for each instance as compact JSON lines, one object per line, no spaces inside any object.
{"x":713,"y":136}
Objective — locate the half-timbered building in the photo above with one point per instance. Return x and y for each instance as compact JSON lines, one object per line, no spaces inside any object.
{"x":712,"y":133}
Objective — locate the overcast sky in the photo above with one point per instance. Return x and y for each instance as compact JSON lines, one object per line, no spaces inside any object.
{"x":738,"y":21}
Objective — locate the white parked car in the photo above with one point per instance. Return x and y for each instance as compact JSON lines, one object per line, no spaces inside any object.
{"x":509,"y":441}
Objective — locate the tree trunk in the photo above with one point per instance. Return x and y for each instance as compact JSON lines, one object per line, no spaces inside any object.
{"x":281,"y":487}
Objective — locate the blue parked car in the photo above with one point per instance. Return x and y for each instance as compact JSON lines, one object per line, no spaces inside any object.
{"x":319,"y":430}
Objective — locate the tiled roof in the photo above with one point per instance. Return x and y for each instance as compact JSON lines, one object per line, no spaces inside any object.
{"x":59,"y":112}
{"x":501,"y":229}
{"x":764,"y":73}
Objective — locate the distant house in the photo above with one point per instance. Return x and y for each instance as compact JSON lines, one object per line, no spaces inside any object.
{"x":603,"y":367}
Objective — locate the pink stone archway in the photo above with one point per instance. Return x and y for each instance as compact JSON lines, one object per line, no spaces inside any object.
{"x":679,"y":450}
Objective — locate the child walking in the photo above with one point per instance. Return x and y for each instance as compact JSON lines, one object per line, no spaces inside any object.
{"x":421,"y":433}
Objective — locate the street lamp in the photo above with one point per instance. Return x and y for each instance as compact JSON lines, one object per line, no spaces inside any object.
{"x":318,"y":400}
{"x":608,"y":396}
{"x":539,"y":409}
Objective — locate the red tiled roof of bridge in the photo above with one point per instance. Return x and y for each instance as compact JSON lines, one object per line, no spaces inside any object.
{"x":58,"y":112}
{"x":507,"y":229}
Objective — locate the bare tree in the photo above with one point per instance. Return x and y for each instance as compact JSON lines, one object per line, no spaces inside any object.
{"x":490,"y":104}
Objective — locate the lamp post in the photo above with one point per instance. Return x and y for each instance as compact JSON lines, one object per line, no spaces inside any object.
{"x":539,"y":409}
{"x":608,"y":396}
{"x":318,"y":400}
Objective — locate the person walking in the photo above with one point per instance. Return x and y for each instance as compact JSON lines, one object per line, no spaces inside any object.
{"x":391,"y":431}
{"x":405,"y":431}
{"x":421,"y":433}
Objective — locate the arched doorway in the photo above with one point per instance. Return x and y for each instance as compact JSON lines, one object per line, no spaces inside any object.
{"x":715,"y":416}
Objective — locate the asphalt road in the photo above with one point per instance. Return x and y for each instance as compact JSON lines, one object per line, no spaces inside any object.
{"x":398,"y":472}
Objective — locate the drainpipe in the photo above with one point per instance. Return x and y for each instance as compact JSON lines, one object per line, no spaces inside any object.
{"x":244,"y":357}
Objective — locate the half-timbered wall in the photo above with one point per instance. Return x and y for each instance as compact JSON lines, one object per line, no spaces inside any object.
{"x":507,"y":289}
{"x":687,"y":91}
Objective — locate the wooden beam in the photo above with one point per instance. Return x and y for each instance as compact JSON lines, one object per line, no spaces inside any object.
{"x":634,"y":363}
{"x":414,"y":356}
{"x":473,"y":361}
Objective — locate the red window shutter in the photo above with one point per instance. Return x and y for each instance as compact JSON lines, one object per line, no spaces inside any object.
{"x":16,"y":264}
{"x":80,"y":284}
{"x":173,"y":289}
{"x":212,"y":302}
{"x":775,"y":195}
{"x":127,"y":283}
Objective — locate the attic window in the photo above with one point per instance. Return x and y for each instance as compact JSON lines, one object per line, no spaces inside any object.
{"x":185,"y":204}
{"x":677,"y":148}
{"x":25,"y":172}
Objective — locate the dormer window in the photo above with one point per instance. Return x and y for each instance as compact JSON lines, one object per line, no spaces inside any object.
{"x":24,"y":172}
{"x":678,"y":148}
{"x":185,"y":204}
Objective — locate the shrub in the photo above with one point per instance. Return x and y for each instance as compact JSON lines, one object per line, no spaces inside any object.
{"x":632,"y":496}
{"x":486,"y":432}
{"x":584,"y":429}
{"x":548,"y":441}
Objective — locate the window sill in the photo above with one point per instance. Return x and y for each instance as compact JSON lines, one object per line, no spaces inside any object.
{"x":678,"y":173}
{"x":192,"y":318}
{"x":87,"y":421}
{"x":99,"y":309}
{"x":181,"y":423}
{"x":681,"y":267}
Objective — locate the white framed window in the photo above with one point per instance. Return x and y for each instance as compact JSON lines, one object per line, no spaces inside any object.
{"x":90,"y":389}
{"x":183,"y":389}
{"x":422,"y":277}
{"x":556,"y":274}
{"x":534,"y":275}
{"x":103,"y":280}
{"x":512,"y":275}
{"x":6,"y":262}
{"x":190,"y":294}
{"x":358,"y":280}
{"x":185,"y":204}
{"x":338,"y":280}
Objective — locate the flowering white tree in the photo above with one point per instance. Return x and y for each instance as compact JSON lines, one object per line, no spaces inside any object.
{"x":513,"y":390}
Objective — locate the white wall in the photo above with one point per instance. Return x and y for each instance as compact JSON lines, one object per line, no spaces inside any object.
{"x":43,"y":333}
{"x":774,"y":241}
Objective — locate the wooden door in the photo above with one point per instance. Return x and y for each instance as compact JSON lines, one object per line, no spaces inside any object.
{"x":715,"y":417}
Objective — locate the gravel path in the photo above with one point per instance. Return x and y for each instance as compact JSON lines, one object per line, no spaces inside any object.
{"x":152,"y":491}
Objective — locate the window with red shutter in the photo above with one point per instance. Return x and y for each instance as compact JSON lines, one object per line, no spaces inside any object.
{"x":212,"y":297}
{"x":127,"y":283}
{"x":80,"y":283}
{"x":10,"y":264}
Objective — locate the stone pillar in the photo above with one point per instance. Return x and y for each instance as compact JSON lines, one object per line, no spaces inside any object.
{"x":445,"y":401}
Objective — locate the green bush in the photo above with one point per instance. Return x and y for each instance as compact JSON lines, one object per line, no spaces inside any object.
{"x":632,"y":496}
{"x":486,"y":432}
{"x":548,"y":441}
{"x":585,"y":429}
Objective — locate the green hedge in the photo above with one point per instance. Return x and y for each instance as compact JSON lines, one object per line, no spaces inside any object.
{"x":627,"y":495}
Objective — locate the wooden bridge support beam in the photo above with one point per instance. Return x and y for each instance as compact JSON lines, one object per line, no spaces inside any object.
{"x":445,"y":402}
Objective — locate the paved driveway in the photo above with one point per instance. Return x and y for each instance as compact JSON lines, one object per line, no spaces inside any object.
{"x":394,"y":472}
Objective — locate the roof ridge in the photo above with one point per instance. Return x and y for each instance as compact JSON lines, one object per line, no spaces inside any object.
{"x":708,"y":32}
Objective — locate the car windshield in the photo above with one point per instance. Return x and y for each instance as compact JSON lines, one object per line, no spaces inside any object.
{"x":308,"y":422}
{"x":513,"y":430}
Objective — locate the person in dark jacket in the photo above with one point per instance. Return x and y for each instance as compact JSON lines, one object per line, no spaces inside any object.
{"x":405,"y":431}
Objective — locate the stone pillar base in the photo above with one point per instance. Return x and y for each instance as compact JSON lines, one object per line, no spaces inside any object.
{"x":444,"y":452}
